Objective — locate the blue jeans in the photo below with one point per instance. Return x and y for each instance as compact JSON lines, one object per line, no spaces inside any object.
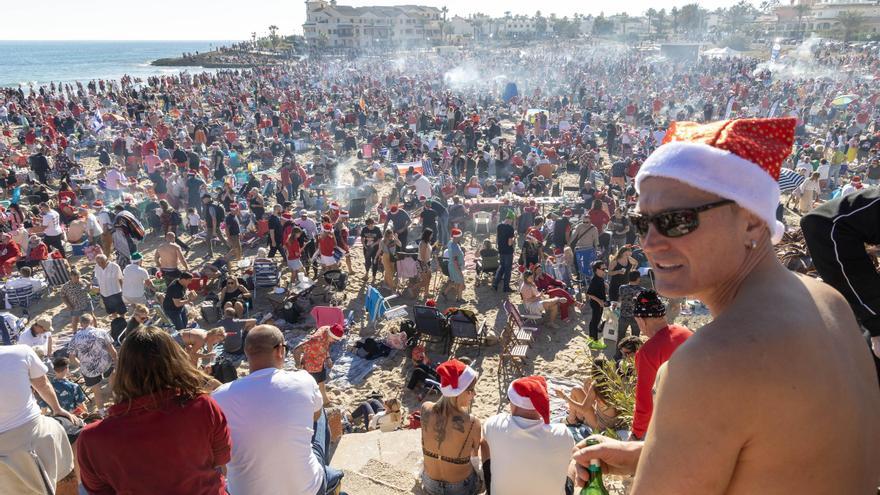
{"x":505,"y":267}
{"x":178,"y":318}
{"x":468,"y":486}
{"x":321,"y":448}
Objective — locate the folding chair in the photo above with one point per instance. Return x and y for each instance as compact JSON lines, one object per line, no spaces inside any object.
{"x":487,"y":265}
{"x":22,"y":297}
{"x":265,"y":273}
{"x":328,"y":315}
{"x":482,"y":219}
{"x":430,"y":322}
{"x":519,"y":331}
{"x":463,"y":329}
{"x":56,"y":272}
{"x":377,"y":306}
{"x":512,"y":351}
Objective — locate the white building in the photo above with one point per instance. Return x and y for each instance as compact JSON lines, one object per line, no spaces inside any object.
{"x":459,"y":29}
{"x":823,"y":18}
{"x":517,"y":26}
{"x":329,"y":25}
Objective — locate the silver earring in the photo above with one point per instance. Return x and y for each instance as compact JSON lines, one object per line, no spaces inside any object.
{"x":753,"y":244}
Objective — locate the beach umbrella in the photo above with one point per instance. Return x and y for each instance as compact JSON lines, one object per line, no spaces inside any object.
{"x":789,"y":180}
{"x":844,"y":100}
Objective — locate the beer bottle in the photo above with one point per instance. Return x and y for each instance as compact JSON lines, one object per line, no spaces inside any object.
{"x":595,"y":486}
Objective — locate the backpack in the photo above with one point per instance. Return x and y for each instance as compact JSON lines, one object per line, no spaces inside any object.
{"x":176,"y":219}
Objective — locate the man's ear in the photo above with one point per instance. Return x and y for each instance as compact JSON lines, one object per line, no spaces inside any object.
{"x":754,"y":223}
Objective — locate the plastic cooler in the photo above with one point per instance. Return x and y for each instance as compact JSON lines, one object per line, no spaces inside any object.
{"x":79,"y":249}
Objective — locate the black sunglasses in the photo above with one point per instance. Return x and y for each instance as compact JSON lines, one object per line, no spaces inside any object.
{"x":284,"y":345}
{"x":673,"y":223}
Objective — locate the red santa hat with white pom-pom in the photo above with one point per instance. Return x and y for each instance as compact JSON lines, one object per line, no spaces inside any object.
{"x":736,"y":159}
{"x":531,"y":393}
{"x":455,"y":377}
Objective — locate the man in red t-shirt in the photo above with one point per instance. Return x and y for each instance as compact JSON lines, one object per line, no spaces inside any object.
{"x":663,"y":339}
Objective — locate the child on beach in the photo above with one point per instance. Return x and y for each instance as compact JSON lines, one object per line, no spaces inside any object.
{"x":193,"y":221}
{"x":70,"y":395}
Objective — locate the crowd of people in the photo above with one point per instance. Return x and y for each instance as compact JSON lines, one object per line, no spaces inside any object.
{"x":603,"y":188}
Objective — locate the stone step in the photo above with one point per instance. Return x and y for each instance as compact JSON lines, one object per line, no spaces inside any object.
{"x":379,"y":463}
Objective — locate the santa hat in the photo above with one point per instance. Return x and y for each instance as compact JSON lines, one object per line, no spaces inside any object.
{"x":334,"y":205}
{"x":735,"y":159}
{"x":343,"y":214}
{"x":335,"y":331}
{"x":456,"y":232}
{"x":327,"y":227}
{"x":530,"y":393}
{"x":431,"y":303}
{"x":455,"y":377}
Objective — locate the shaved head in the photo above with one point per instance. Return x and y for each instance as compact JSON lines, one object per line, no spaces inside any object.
{"x":262,"y":340}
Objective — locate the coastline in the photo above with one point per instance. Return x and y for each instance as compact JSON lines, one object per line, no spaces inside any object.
{"x":221,"y":59}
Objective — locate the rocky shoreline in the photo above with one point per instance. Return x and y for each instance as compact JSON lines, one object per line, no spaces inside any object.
{"x":220,"y":60}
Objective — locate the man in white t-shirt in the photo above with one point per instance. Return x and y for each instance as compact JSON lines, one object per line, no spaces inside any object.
{"x":24,"y":431}
{"x":279,"y":432}
{"x":134,"y":280}
{"x":528,"y":454}
{"x":109,"y":278}
{"x":423,"y":186}
{"x":52,"y":233}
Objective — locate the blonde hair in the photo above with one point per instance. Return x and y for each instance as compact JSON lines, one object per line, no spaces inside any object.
{"x":219,"y":331}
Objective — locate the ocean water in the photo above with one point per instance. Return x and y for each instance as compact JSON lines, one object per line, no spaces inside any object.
{"x":41,"y":62}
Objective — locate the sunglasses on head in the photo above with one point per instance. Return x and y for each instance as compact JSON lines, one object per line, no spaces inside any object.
{"x":283,"y":345}
{"x":673,"y":223}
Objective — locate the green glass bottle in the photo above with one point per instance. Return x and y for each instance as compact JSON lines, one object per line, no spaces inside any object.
{"x":595,"y":486}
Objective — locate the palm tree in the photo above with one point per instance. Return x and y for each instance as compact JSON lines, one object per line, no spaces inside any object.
{"x":660,"y":23}
{"x":273,"y":34}
{"x":801,"y":10}
{"x":624,"y":18}
{"x":675,"y":13}
{"x":850,"y":22}
{"x":650,"y":14}
{"x":444,"y":10}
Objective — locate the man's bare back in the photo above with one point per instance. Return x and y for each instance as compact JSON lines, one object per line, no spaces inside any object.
{"x":777,"y":395}
{"x":170,"y":256}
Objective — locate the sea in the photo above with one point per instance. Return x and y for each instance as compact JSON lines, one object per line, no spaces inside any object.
{"x":41,"y":62}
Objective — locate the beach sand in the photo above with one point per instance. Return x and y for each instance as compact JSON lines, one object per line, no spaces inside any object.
{"x":559,"y":354}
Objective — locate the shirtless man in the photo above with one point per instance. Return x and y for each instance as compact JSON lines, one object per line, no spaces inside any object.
{"x":777,"y":395}
{"x":170,"y":259}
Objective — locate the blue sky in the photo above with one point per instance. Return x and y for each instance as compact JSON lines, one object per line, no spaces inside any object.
{"x":236,"y":19}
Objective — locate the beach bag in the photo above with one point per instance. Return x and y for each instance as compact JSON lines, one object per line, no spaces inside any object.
{"x":609,"y":330}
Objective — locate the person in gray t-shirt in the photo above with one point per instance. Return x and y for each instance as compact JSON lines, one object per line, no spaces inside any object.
{"x":235,"y":329}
